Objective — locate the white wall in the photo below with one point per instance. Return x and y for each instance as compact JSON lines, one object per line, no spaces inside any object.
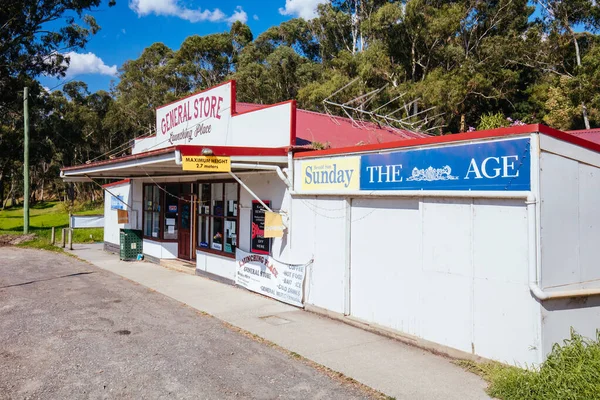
{"x":166,"y":250}
{"x":570,"y":234}
{"x":319,"y":226}
{"x":449,"y":271}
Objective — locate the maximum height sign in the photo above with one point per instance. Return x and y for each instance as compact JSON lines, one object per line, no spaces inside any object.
{"x":206,"y":163}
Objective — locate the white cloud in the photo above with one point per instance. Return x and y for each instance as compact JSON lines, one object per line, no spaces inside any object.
{"x":173,"y":8}
{"x":124,"y":31}
{"x":238,"y":15}
{"x":88,"y":64}
{"x":306,"y":9}
{"x":255,"y":17}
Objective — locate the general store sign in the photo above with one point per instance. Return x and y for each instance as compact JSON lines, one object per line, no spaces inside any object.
{"x":500,"y":165}
{"x":209,"y":118}
{"x":200,"y":118}
{"x":206,"y":163}
{"x":262,"y":274}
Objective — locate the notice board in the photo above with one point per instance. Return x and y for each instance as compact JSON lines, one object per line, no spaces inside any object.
{"x":258,"y":242}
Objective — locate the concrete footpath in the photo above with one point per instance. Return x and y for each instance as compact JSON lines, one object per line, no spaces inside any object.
{"x":389,"y":366}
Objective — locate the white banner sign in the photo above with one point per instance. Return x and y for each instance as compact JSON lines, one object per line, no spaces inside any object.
{"x":86,"y":221}
{"x":261,"y":274}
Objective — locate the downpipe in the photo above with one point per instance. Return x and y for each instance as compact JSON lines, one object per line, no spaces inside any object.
{"x":266,"y":167}
{"x":534,"y":268}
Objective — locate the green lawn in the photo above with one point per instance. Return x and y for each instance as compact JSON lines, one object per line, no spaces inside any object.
{"x":44,"y":216}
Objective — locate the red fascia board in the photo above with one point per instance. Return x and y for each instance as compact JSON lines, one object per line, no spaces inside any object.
{"x":293,"y":102}
{"x":232,"y":107}
{"x":120,"y":159}
{"x":487,"y":134}
{"x":573,"y":139}
{"x":233,"y":97}
{"x":293,"y":123}
{"x":191,"y":150}
{"x":579,"y":131}
{"x":117,"y":183}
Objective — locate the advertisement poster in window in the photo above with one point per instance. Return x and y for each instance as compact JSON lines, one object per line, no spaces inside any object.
{"x":117,"y":203}
{"x":258,"y":243}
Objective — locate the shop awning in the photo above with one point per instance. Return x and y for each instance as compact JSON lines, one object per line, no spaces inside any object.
{"x":167,"y":163}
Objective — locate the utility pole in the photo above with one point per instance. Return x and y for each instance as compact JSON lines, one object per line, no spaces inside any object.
{"x":26,"y":162}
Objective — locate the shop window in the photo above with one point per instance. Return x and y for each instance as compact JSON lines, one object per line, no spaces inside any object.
{"x":171,"y":212}
{"x":152,"y":208}
{"x":218,"y":217}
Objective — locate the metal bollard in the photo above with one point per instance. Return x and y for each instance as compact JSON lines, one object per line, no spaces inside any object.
{"x":53,"y":236}
{"x":70,"y":239}
{"x":63,"y":237}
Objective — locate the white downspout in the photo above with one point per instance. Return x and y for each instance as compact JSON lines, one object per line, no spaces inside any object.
{"x":250,"y":191}
{"x":534,"y":268}
{"x":264,"y":167}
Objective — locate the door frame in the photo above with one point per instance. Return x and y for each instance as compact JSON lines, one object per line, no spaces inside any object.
{"x":182,"y":201}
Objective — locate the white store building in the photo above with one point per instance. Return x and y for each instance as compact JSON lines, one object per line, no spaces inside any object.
{"x":478,"y":243}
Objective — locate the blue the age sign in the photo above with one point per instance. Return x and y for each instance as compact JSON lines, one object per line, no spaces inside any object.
{"x":494,"y":165}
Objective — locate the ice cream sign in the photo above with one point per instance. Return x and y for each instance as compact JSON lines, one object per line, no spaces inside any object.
{"x":502,"y":165}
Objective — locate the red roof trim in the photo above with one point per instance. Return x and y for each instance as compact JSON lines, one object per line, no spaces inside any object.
{"x":232,"y":106}
{"x":580,"y":131}
{"x":192,"y":150}
{"x":121,"y":182}
{"x":119,"y":159}
{"x":233,"y":97}
{"x":262,"y":107}
{"x":573,"y":139}
{"x":293,"y":123}
{"x":500,"y":132}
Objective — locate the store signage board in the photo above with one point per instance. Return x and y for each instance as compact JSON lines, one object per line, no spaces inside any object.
{"x":333,"y":174}
{"x":206,"y":163}
{"x":273,"y":225}
{"x":258,"y":242}
{"x":201,"y":117}
{"x":117,"y":203}
{"x":262,"y":274}
{"x":122,"y":217}
{"x":210,"y":118}
{"x":503,"y":165}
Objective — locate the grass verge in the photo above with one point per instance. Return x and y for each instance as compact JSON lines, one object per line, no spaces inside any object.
{"x":44,"y":216}
{"x":571,"y":372}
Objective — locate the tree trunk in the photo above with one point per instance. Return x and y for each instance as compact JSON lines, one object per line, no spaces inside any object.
{"x":463,"y":123}
{"x":12,"y":191}
{"x":2,"y":189}
{"x":584,"y":112}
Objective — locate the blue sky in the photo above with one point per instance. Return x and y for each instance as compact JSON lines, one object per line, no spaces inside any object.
{"x":132,"y":25}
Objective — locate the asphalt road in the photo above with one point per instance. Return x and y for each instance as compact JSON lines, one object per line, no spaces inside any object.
{"x":69,"y":330}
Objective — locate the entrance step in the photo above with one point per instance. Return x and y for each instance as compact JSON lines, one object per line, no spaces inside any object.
{"x":187,"y":267}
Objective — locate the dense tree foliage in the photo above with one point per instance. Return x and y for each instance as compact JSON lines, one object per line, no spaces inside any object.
{"x":479,"y":63}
